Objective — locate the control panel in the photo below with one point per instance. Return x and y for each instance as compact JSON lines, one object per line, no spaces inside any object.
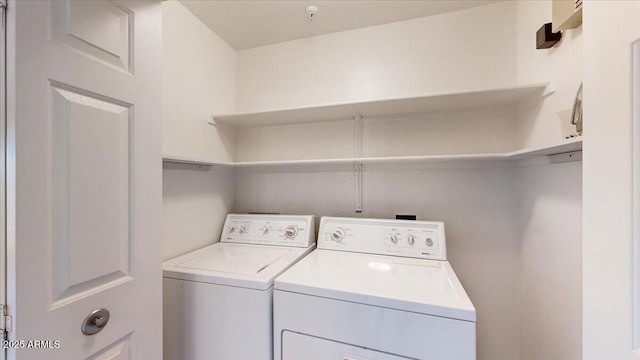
{"x":418,"y":239}
{"x":284,"y":230}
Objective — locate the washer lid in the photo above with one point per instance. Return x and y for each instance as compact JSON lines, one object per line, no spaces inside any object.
{"x":423,"y":286}
{"x":239,"y":265}
{"x":233,"y":258}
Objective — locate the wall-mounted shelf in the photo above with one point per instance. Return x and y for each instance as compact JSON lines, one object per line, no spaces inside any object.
{"x":373,"y":160}
{"x":403,"y":106}
{"x":181,"y":160}
{"x":390,"y":109}
{"x":564,"y":146}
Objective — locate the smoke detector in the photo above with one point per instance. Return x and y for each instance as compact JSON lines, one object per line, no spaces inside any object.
{"x":311,"y":12}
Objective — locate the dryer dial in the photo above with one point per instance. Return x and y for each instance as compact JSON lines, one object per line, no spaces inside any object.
{"x":394,"y":238}
{"x":338,"y":234}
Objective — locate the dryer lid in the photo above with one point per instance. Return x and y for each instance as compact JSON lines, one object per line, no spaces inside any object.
{"x":417,"y":285}
{"x":235,"y":259}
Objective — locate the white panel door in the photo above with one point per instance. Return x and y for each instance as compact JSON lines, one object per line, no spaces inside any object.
{"x":84,"y":178}
{"x":611,"y":37}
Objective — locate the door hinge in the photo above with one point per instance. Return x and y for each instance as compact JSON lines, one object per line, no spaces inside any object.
{"x":3,"y":4}
{"x":5,"y":322}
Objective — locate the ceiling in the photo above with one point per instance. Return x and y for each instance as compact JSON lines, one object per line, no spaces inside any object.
{"x":248,"y":24}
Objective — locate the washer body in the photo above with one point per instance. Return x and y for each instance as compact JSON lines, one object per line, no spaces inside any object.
{"x":377,"y":290}
{"x":218,"y":300}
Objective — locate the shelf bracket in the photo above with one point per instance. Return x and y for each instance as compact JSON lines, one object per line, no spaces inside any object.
{"x":358,"y":134}
{"x":549,"y":90}
{"x":566,"y":157}
{"x":212,"y":122}
{"x":358,"y":180}
{"x":358,"y":154}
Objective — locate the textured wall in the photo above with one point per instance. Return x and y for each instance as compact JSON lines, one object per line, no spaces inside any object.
{"x":198,"y":81}
{"x":464,"y":50}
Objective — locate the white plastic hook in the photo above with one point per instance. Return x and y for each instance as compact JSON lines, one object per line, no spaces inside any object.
{"x":311,"y":12}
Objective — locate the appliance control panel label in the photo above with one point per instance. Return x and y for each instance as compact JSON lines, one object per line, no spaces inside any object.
{"x":418,"y":239}
{"x":283,"y":230}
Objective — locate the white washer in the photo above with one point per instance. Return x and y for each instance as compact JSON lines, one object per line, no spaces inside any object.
{"x":218,"y":300}
{"x":378,"y":289}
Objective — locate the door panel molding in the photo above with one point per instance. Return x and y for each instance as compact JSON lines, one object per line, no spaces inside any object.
{"x":119,"y":350}
{"x":102,"y":30}
{"x":91,"y":192}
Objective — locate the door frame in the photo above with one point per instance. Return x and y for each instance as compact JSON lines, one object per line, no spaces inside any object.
{"x":635,"y":116}
{"x":3,"y":176}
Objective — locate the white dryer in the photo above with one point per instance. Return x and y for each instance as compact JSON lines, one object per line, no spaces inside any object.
{"x":374,"y":290}
{"x":218,"y":300}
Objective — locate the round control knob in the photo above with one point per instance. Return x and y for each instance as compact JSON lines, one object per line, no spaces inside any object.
{"x":393,"y":238}
{"x":411,"y":239}
{"x":266,"y":231}
{"x":232,"y":230}
{"x":338,"y":234}
{"x":429,"y":242}
{"x":290,"y":231}
{"x":243,"y":230}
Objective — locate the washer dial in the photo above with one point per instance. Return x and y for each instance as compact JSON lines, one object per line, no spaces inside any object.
{"x":290,"y":231}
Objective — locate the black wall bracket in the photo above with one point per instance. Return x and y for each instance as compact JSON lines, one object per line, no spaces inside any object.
{"x":546,"y":38}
